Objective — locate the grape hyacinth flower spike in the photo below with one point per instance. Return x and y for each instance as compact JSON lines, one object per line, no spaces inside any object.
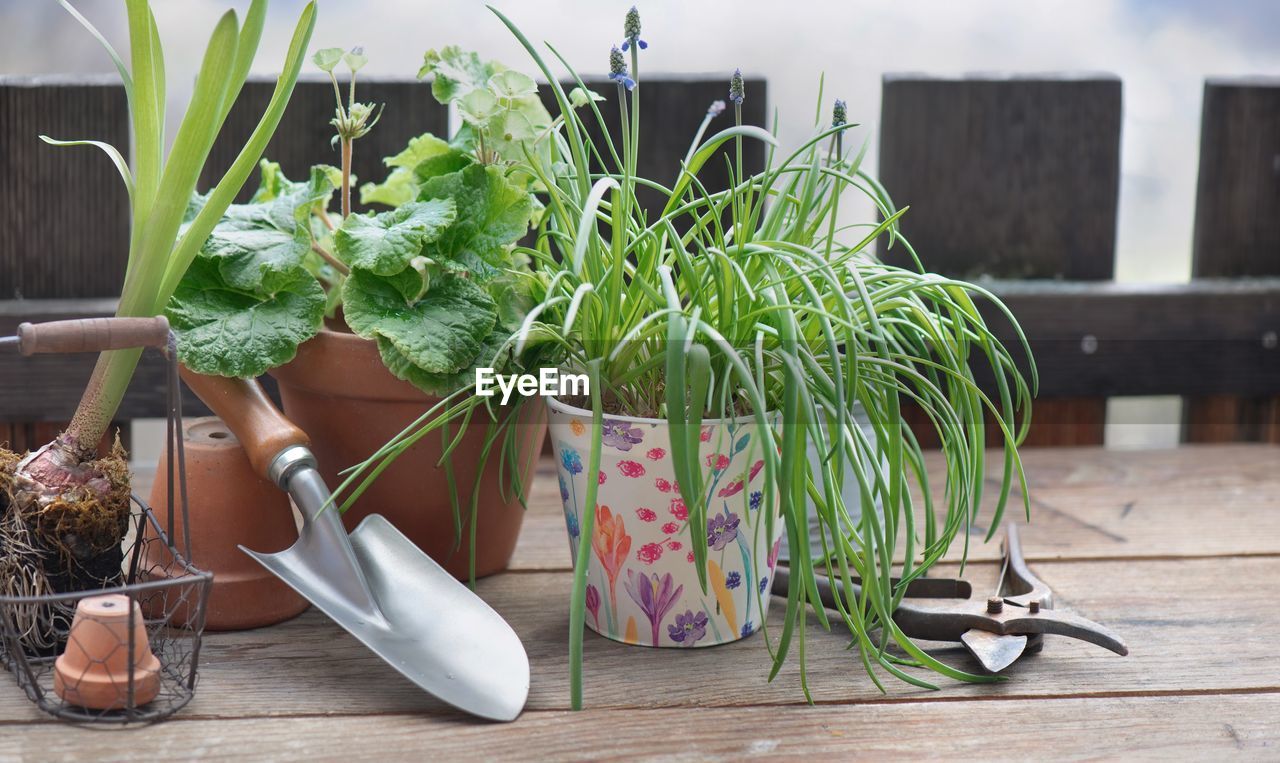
{"x":839,"y":114}
{"x":839,"y":118}
{"x":631,"y":31}
{"x":618,"y":69}
{"x":736,"y":90}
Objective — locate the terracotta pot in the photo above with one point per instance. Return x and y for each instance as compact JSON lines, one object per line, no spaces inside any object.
{"x":338,"y":391}
{"x":229,"y":505}
{"x":94,"y":669}
{"x":642,"y":586}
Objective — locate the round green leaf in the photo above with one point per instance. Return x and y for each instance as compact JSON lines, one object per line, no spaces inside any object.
{"x":383,"y":244}
{"x":440,"y":333}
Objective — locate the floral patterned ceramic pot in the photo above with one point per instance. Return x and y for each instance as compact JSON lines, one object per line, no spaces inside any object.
{"x":642,"y":587}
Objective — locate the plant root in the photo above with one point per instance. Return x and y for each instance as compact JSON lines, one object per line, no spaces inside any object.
{"x":60,"y":533}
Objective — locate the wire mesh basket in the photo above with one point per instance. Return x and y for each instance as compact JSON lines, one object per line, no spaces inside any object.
{"x":131,"y":650}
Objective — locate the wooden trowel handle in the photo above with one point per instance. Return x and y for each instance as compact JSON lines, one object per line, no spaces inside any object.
{"x":247,"y":411}
{"x":92,"y":335}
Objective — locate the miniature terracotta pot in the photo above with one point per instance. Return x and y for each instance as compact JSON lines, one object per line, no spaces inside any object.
{"x":340,"y":393}
{"x":229,"y":505}
{"x":95,"y":668}
{"x":642,"y":585}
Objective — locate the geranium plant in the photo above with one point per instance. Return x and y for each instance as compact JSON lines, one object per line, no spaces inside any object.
{"x":433,"y":279}
{"x":67,"y":509}
{"x":755,"y":301}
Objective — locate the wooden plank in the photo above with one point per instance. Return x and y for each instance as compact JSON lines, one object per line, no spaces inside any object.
{"x":1166,"y":610}
{"x":1087,"y":503}
{"x":1122,"y":728}
{"x":1237,"y":226}
{"x":1012,"y":177}
{"x":1204,"y":337}
{"x":64,"y":213}
{"x":1237,"y":233}
{"x":1057,"y":422}
{"x":271,"y":692}
{"x":1175,"y":615}
{"x":302,"y":139}
{"x":1231,"y":418}
{"x":1063,"y":421}
{"x":671,"y":108}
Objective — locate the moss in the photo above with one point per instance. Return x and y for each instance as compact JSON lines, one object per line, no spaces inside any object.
{"x":8,"y":464}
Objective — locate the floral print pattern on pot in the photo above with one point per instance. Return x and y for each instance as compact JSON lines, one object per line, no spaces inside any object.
{"x":641,"y":571}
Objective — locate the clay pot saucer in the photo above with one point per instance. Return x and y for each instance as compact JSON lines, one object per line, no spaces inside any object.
{"x":94,"y":670}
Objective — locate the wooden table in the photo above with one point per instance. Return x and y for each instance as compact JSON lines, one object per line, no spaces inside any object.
{"x":1177,"y":550}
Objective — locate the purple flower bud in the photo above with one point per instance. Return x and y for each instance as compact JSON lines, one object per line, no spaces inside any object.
{"x":736,"y":89}
{"x":716,"y":108}
{"x":617,"y":64}
{"x":631,"y":30}
{"x":631,"y":25}
{"x":839,"y":114}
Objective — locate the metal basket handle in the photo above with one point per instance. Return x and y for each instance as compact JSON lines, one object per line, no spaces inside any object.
{"x":117,"y":333}
{"x":93,"y":335}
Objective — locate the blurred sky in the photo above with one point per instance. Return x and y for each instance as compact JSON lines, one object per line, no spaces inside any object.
{"x":1161,"y":50}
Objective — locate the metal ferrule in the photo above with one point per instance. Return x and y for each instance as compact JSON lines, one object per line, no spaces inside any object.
{"x":289,"y":459}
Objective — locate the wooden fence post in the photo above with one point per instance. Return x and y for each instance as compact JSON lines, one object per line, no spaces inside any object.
{"x":671,"y":108}
{"x":64,"y":223}
{"x":1237,"y":233}
{"x":303,"y":137}
{"x":1010,"y":178}
{"x":64,"y":214}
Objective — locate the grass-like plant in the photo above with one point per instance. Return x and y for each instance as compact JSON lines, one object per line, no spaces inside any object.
{"x":74,"y":501}
{"x":755,"y":300}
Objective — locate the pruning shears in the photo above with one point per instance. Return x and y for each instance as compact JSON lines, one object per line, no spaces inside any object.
{"x":998,"y":631}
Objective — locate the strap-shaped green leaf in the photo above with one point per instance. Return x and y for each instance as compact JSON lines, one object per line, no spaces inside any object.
{"x":222,"y":195}
{"x":111,"y":151}
{"x":186,"y":159}
{"x":704,"y":153}
{"x":147,"y":61}
{"x":246,"y":49}
{"x":123,"y":70}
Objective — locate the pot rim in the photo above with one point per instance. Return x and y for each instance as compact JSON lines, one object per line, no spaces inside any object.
{"x":559,"y":407}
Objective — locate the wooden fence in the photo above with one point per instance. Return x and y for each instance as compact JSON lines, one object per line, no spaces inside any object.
{"x":1018,"y":178}
{"x":1009,"y":178}
{"x":64,"y":237}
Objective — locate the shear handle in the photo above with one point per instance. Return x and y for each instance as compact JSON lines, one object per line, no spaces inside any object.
{"x":919,"y":588}
{"x":950,"y":622}
{"x":1020,"y":586}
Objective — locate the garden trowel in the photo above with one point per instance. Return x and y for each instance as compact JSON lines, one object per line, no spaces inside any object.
{"x":375,"y":582}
